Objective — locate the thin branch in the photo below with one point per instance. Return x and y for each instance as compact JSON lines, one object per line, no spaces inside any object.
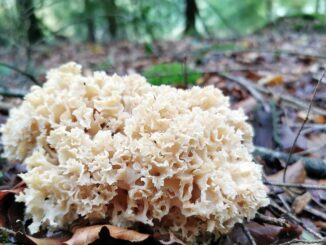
{"x":295,"y":185}
{"x":5,"y":106}
{"x":295,"y":241}
{"x":254,"y":88}
{"x":315,"y":212}
{"x":25,"y":74}
{"x":271,"y":220}
{"x":263,"y":50}
{"x":11,"y":93}
{"x":295,"y":219}
{"x":248,"y":85}
{"x":248,"y":234}
{"x":313,"y":166}
{"x":302,"y":126}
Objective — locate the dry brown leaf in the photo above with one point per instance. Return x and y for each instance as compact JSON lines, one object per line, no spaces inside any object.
{"x":248,"y":104}
{"x":319,"y":119}
{"x":6,"y":204}
{"x":264,"y":234}
{"x":320,"y":224}
{"x":16,"y":189}
{"x":300,"y":202}
{"x":272,"y":80}
{"x":86,"y":235}
{"x":26,"y":239}
{"x":295,"y":174}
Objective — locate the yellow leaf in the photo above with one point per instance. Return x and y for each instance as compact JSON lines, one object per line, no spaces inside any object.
{"x":272,"y":80}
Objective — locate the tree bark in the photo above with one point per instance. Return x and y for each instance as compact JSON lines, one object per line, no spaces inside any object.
{"x":269,"y":10}
{"x":111,"y":17}
{"x":317,"y":6}
{"x":28,"y":18}
{"x":191,"y":12}
{"x":90,"y":21}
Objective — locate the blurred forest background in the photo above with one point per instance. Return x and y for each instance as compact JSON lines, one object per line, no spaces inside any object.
{"x":35,"y":34}
{"x":32,"y":21}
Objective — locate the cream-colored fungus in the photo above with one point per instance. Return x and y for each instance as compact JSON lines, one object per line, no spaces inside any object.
{"x":117,"y":148}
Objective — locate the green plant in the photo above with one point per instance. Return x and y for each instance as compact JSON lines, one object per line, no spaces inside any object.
{"x":171,"y":74}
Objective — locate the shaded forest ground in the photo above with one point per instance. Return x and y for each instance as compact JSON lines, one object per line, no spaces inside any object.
{"x":272,"y":75}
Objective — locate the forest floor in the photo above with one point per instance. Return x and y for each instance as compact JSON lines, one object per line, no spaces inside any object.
{"x":274,"y":75}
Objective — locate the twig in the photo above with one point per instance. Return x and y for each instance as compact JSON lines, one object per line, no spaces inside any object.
{"x":25,"y":74}
{"x":321,"y":241}
{"x":274,"y":51}
{"x":313,"y":166}
{"x":314,"y":127}
{"x":252,"y":88}
{"x":295,"y":219}
{"x":295,"y":185}
{"x":303,"y":123}
{"x":255,"y":88}
{"x":271,"y":220}
{"x":283,"y":201}
{"x":248,"y":234}
{"x":315,"y":212}
{"x":11,"y":93}
{"x":5,"y":106}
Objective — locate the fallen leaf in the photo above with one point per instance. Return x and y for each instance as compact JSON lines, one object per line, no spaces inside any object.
{"x":86,"y":235}
{"x":290,"y":232}
{"x":271,"y":80}
{"x":8,"y":215}
{"x":247,"y":104}
{"x":253,"y":75}
{"x":320,"y":224}
{"x":319,"y":119}
{"x":236,"y":236}
{"x":264,"y":234}
{"x":287,"y":136}
{"x":295,"y":174}
{"x":16,"y":189}
{"x":26,"y":239}
{"x":300,"y":202}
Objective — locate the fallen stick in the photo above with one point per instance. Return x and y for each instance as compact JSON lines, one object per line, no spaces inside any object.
{"x":315,"y":167}
{"x":250,"y":86}
{"x":302,"y":242}
{"x":251,"y":240}
{"x":295,"y":219}
{"x":315,"y":212}
{"x":295,"y":185}
{"x":25,"y":74}
{"x":270,"y":220}
{"x":5,"y":106}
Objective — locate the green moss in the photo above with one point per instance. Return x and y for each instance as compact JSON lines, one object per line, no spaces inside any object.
{"x":170,"y":74}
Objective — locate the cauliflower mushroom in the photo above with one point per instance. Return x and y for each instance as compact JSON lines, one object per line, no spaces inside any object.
{"x":116,"y":148}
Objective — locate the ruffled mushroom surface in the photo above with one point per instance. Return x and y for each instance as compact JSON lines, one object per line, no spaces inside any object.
{"x":116,"y":148}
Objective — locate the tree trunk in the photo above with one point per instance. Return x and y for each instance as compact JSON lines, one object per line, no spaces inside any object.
{"x":28,"y":19}
{"x":269,"y":10}
{"x":90,"y":21}
{"x":317,"y":6}
{"x":191,"y":12}
{"x":111,"y":17}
